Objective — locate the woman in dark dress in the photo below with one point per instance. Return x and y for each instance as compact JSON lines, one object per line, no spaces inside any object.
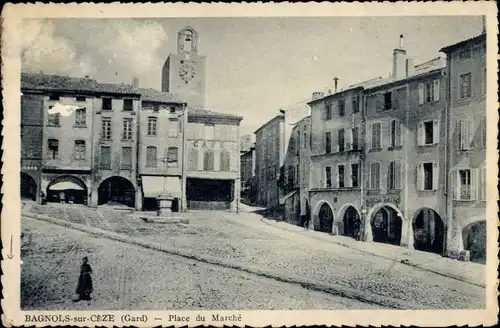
{"x":84,"y":288}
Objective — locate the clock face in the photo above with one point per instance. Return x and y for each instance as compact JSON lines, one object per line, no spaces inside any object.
{"x":187,"y":72}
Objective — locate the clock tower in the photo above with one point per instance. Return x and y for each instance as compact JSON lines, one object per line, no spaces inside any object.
{"x":184,"y":72}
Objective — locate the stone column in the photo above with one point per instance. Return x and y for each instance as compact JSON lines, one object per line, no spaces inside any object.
{"x":94,"y":196}
{"x":183,"y":204}
{"x":235,"y":204}
{"x":138,"y":198}
{"x":454,"y":240}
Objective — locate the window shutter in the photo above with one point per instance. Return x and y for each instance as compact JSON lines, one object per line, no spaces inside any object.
{"x":390,"y":174}
{"x":399,"y":141}
{"x":420,"y":134}
{"x":398,"y":175}
{"x":421,"y":94}
{"x":349,"y":139}
{"x":335,"y":141}
{"x":453,"y":184}
{"x":435,"y":131}
{"x":474,"y":183}
{"x":420,"y":180}
{"x":337,"y":176}
{"x":370,"y":180}
{"x":470,"y":134}
{"x":483,"y":183}
{"x":369,"y":135}
{"x":435,"y":176}
{"x":380,"y":103}
{"x":436,"y":84}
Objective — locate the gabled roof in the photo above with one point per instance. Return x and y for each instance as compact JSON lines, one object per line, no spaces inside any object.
{"x":47,"y":82}
{"x":280,"y":117}
{"x":153,"y":95}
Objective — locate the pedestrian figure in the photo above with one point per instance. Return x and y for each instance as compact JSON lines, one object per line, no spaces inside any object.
{"x":84,"y":288}
{"x":62,"y":197}
{"x":306,"y":222}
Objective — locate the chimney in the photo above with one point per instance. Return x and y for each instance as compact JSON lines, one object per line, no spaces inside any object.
{"x":410,"y":67}
{"x":399,"y":61}
{"x":484,"y":25}
{"x":317,"y":95}
{"x":336,"y":83}
{"x":135,"y":82}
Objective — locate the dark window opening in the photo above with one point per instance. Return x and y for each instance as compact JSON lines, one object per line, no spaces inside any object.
{"x":128,"y":104}
{"x":428,"y":176}
{"x":107,"y":104}
{"x":387,"y":100}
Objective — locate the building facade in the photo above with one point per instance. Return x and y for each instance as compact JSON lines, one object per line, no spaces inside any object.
{"x":212,"y":164}
{"x":466,"y":149}
{"x":296,"y":167}
{"x":248,"y":184}
{"x":269,"y":155}
{"x":160,"y":151}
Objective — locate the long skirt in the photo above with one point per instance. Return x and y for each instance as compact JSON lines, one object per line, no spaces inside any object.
{"x":84,"y":287}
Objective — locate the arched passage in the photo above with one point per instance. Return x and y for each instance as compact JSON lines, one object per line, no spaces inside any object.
{"x":352,"y":222}
{"x":474,"y":238}
{"x":116,"y":190}
{"x":325,"y":218}
{"x":28,"y":187}
{"x":67,"y":189}
{"x":428,"y":231}
{"x":386,"y":226}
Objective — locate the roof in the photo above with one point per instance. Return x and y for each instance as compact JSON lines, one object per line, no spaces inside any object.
{"x":202,"y":112}
{"x":281,"y":116}
{"x":46,"y":82}
{"x":153,"y":95}
{"x":457,"y":45}
{"x":335,"y":94}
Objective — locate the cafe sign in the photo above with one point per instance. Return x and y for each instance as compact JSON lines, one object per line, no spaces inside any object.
{"x":394,"y":199}
{"x":207,"y":143}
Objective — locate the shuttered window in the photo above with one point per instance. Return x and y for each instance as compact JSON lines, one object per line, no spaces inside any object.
{"x":105,"y":158}
{"x":375,"y":136}
{"x":225,"y":161}
{"x":126,"y":160}
{"x":193,"y":160}
{"x":375,"y":175}
{"x":394,"y":175}
{"x":151,"y":156}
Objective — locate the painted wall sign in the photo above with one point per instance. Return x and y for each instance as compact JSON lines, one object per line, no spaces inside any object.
{"x":383,"y":199}
{"x":207,"y":143}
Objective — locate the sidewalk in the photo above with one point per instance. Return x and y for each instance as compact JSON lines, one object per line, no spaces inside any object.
{"x":469,"y":272}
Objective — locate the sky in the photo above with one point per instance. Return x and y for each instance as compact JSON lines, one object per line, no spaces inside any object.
{"x":255,"y":66}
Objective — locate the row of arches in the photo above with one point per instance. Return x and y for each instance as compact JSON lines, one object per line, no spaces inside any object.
{"x":70,"y":189}
{"x":386,"y":224}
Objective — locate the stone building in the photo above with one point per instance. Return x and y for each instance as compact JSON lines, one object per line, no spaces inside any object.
{"x":248,"y":184}
{"x":160,"y":151}
{"x":212,"y":163}
{"x":466,"y":147}
{"x":269,"y":156}
{"x":296,"y":168}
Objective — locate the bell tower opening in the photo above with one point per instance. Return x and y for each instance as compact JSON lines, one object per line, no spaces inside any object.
{"x":187,"y":39}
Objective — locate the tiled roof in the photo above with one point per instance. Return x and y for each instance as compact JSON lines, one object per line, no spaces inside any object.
{"x":193,"y":111}
{"x":154,"y":95}
{"x":454,"y":46}
{"x":45,"y":82}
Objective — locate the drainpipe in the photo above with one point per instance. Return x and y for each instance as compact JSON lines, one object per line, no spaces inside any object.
{"x":447,"y":201}
{"x":92,"y":155}
{"x":184,"y":159}
{"x":362,"y":163}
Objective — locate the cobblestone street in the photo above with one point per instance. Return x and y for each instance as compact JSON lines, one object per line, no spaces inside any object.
{"x":243,"y":239}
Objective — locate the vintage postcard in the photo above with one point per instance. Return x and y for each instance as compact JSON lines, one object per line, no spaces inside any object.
{"x":250,"y":164}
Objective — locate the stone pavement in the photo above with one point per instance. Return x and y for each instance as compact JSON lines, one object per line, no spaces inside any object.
{"x":245,"y":243}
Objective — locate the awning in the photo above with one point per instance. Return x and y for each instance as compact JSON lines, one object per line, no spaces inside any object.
{"x":65,"y":185}
{"x":152,"y":187}
{"x":290,"y":194}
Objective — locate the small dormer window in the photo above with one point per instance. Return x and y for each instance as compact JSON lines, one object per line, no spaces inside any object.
{"x":172,"y":109}
{"x":54,"y":97}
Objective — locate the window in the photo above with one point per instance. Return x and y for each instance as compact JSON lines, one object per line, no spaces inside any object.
{"x":81,"y":98}
{"x":387,"y":100}
{"x":128,"y":105}
{"x":428,"y":133}
{"x":53,"y":151}
{"x":79,"y":149}
{"x":209,"y":132}
{"x":151,"y":156}
{"x":54,"y":97}
{"x":394,"y":175}
{"x":328,"y":142}
{"x":482,"y":184}
{"x":395,"y":133}
{"x":429,"y":92}
{"x":375,"y":175}
{"x":172,"y":154}
{"x":225,"y":161}
{"x":126,"y":160}
{"x":152,"y":121}
{"x":355,"y":104}
{"x":305,"y":140}
{"x":107,"y":104}
{"x":465,"y":54}
{"x":208,"y":160}
{"x":328,"y":176}
{"x":464,"y":128}
{"x":193,"y":160}
{"x":341,"y":141}
{"x":465,"y":86}
{"x":81,"y":117}
{"x":355,"y":175}
{"x":172,"y":110}
{"x":465,"y":184}
{"x":375,"y":142}
{"x":54,"y":119}
{"x":106,"y":128}
{"x":355,"y":138}
{"x":127,"y":129}
{"x":341,"y":104}
{"x":341,"y":176}
{"x":427,"y":176}
{"x":173,"y":127}
{"x":483,"y":132}
{"x":105,"y":162}
{"x":328,"y":111}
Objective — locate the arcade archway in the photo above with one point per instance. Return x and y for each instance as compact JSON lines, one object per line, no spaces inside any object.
{"x":474,"y":238}
{"x":428,"y":231}
{"x":28,"y":187}
{"x":352,"y":222}
{"x":116,"y":190}
{"x":325,"y":217}
{"x":386,"y":226}
{"x":67,"y":189}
